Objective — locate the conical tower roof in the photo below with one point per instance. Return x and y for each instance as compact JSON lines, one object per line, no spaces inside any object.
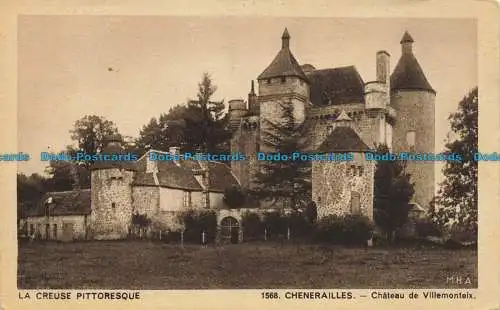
{"x":284,"y":64}
{"x":408,"y":75}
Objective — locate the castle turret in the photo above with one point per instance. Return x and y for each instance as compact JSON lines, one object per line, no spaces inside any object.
{"x":283,"y":82}
{"x":237,"y":110}
{"x":413,"y":98}
{"x":354,"y":193}
{"x":111,"y":195}
{"x":253,"y":105}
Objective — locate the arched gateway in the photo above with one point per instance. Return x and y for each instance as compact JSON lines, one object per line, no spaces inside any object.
{"x":229,"y":229}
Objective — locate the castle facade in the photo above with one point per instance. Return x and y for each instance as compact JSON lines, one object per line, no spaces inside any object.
{"x":397,"y":109}
{"x":343,"y":114}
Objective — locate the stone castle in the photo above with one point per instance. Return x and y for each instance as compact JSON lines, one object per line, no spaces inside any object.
{"x":396,"y":109}
{"x":343,"y":114}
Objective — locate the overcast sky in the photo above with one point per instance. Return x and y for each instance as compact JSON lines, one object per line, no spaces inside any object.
{"x":158,"y":61}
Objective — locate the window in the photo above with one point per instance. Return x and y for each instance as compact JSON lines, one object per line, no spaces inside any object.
{"x":268,"y":81}
{"x":410,"y":139}
{"x":113,"y":205}
{"x":187,"y":200}
{"x":353,"y":170}
{"x":32,"y":230}
{"x":360,"y":170}
{"x":283,"y":79}
{"x":355,"y":203}
{"x":54,"y":231}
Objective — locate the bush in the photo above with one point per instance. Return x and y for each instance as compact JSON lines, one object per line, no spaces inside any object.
{"x":346,"y":230}
{"x":300,"y":225}
{"x":461,"y":237}
{"x":234,"y":197}
{"x":197,"y":222}
{"x":426,"y":228}
{"x":253,"y":228}
{"x":275,"y":224}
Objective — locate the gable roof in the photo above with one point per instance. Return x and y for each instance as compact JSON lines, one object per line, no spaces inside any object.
{"x":336,"y":86}
{"x":343,"y":139}
{"x":181,"y":175}
{"x":75,"y":202}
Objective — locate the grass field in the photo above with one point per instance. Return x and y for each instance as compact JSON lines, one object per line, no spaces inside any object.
{"x":148,"y":265}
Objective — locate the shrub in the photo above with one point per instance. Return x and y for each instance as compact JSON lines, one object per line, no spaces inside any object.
{"x":234,"y":197}
{"x":426,"y":228}
{"x":300,"y":225}
{"x":347,"y":229}
{"x":253,"y":228}
{"x":197,"y":222}
{"x":275,"y":224}
{"x":461,"y":237}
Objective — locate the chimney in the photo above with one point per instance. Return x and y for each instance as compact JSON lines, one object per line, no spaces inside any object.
{"x":383,"y":67}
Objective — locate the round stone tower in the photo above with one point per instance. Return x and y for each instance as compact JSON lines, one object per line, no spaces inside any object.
{"x":111,"y":192}
{"x":413,"y":98}
{"x":237,"y":110}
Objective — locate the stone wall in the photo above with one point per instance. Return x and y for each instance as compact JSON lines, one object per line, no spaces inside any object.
{"x":76,"y":231}
{"x":171,"y":199}
{"x":333,"y":183}
{"x":272,"y":111}
{"x":111,"y":201}
{"x":146,"y":200}
{"x":246,"y":141}
{"x":276,"y":86}
{"x":371,"y":125}
{"x":415,"y":111}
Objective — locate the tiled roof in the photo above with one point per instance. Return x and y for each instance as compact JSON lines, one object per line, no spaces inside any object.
{"x":284,"y":64}
{"x":408,"y":75}
{"x":75,"y":202}
{"x":221,"y":177}
{"x":336,"y":86}
{"x":343,"y":139}
{"x":181,"y":175}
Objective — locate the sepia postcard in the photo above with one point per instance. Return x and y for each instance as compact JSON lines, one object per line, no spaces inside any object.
{"x":219,"y":154}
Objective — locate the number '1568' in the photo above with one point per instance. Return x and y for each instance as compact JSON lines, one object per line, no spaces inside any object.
{"x":270,"y":295}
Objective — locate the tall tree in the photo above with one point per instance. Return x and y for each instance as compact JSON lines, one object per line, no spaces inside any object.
{"x":392,"y":194}
{"x":165,"y":131}
{"x":89,"y":133}
{"x":206,"y":130}
{"x":29,"y":191}
{"x":456,"y":202}
{"x":287,"y":182}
